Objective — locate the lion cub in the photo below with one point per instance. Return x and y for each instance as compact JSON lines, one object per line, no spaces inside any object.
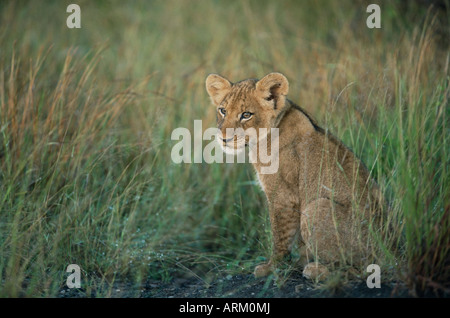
{"x":321,"y":193}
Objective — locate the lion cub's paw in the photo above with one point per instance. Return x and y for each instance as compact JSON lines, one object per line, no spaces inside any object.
{"x":315,"y":271}
{"x":262,"y":270}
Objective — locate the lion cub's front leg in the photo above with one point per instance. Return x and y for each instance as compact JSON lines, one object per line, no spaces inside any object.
{"x":285,"y":224}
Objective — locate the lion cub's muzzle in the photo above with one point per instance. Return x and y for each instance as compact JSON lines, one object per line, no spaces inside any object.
{"x":235,"y":141}
{"x":224,"y":140}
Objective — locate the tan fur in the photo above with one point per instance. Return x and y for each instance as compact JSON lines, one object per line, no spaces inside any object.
{"x":321,"y":192}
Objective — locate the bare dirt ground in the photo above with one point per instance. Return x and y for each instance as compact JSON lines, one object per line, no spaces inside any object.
{"x":246,"y":286}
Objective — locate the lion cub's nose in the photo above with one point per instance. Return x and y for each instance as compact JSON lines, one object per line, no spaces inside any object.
{"x":227,"y":140}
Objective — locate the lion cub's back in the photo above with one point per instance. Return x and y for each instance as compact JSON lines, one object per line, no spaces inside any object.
{"x":330,"y":169}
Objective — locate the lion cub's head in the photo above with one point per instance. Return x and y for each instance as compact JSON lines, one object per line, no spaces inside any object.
{"x":246,"y":104}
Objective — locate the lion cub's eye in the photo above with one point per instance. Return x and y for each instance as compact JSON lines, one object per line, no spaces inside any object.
{"x":246,"y":115}
{"x":223,"y":111}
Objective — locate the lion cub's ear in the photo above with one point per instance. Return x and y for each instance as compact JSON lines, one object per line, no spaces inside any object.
{"x":217,"y":87}
{"x":273,"y":86}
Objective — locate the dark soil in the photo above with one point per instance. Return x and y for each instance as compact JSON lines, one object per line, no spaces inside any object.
{"x":247,"y":286}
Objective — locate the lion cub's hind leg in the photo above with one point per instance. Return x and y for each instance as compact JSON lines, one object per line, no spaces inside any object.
{"x":322,"y":227}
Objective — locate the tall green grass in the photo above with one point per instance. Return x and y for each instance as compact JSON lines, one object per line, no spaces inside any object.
{"x":86,"y":117}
